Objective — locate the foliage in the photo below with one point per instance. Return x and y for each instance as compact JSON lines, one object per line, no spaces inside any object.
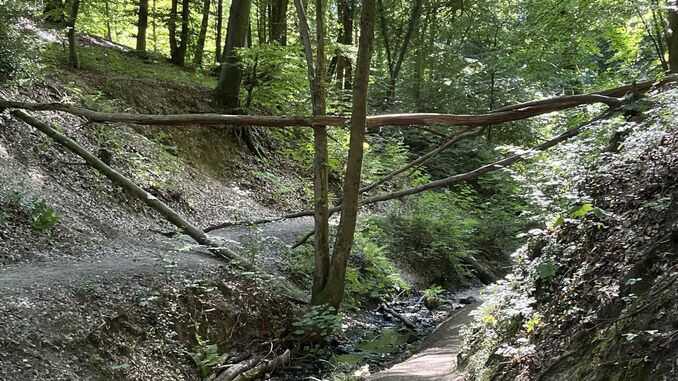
{"x":17,"y":48}
{"x":319,"y":322}
{"x":274,"y":80}
{"x":206,"y":356}
{"x":34,"y":211}
{"x":371,"y":274}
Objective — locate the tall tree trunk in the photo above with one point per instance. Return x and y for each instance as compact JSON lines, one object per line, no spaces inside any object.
{"x":395,"y":63}
{"x":673,"y":36}
{"x":172,"y":30}
{"x":107,"y":14}
{"x":200,"y":46}
{"x":278,"y":21}
{"x":142,"y":25}
{"x":316,"y":73}
{"x":219,"y":26}
{"x":344,"y":69}
{"x":73,"y":58}
{"x":333,"y":291}
{"x":262,"y":25}
{"x":228,"y":88}
{"x":185,"y":29}
{"x":154,"y":32}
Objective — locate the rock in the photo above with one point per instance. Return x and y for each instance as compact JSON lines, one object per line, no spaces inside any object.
{"x":468,"y":300}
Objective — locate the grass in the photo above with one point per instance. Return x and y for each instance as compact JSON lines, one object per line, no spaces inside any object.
{"x":113,"y":63}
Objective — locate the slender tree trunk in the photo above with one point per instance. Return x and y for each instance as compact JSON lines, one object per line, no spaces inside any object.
{"x":219,"y":26}
{"x":172,"y":30}
{"x":333,"y":292}
{"x":228,"y":88}
{"x":278,"y":21}
{"x":344,"y":69}
{"x":316,"y":74}
{"x":185,"y":30}
{"x":200,"y":46}
{"x":673,"y":36}
{"x":154,"y":32}
{"x":142,"y":25}
{"x":73,"y":58}
{"x":261,"y":22}
{"x":395,"y":63}
{"x":107,"y":14}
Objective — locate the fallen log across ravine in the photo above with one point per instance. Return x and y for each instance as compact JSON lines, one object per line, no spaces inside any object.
{"x":376,"y":121}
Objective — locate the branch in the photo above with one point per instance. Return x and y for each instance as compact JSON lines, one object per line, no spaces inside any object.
{"x":501,"y":164}
{"x":423,"y":159}
{"x":455,"y":179}
{"x":616,"y":92}
{"x":387,"y":120}
{"x":117,"y":178}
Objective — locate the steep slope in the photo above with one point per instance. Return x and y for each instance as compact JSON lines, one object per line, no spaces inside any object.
{"x":89,"y":289}
{"x":594,"y":297}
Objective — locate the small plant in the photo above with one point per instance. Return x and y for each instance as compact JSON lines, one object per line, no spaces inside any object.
{"x":318,"y":323}
{"x":432,"y":297}
{"x":206,"y":356}
{"x":43,"y":217}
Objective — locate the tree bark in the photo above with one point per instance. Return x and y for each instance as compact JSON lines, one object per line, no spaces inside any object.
{"x":200,"y":45}
{"x":185,"y":26}
{"x":344,"y":68}
{"x":142,"y":25}
{"x":278,"y":21}
{"x":219,"y":27}
{"x":228,"y":88}
{"x":316,"y":73}
{"x":333,"y":291}
{"x":512,"y":113}
{"x":73,"y":58}
{"x":395,"y":63}
{"x":673,"y":36}
{"x":107,"y":14}
{"x":172,"y":30}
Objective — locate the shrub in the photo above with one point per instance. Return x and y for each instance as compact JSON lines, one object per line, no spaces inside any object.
{"x":16,"y":49}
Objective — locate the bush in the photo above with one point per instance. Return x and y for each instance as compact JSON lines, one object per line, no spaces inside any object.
{"x":16,"y":49}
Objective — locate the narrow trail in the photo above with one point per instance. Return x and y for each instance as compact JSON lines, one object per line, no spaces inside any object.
{"x":436,"y":359}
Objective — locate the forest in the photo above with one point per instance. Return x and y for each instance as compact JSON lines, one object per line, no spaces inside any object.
{"x":338,"y":189}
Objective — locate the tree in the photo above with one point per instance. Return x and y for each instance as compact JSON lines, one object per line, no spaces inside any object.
{"x":142,"y":25}
{"x":73,"y":58}
{"x":316,"y":77}
{"x":345,"y":37}
{"x":219,"y":27}
{"x":332,"y":291}
{"x":230,"y":77}
{"x":200,"y":45}
{"x":673,"y":36}
{"x":178,"y":48}
{"x":395,"y":63}
{"x":278,"y":21}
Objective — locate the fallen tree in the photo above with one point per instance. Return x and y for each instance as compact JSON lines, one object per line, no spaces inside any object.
{"x":117,"y":178}
{"x":377,"y":121}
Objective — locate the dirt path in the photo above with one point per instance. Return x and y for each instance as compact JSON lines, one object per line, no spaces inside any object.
{"x":437,"y":357}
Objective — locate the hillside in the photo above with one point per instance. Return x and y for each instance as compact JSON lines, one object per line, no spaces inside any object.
{"x":593,"y":297}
